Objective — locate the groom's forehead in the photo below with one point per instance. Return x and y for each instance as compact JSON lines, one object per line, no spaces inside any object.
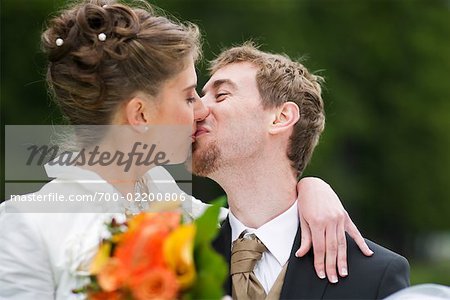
{"x":232,"y":76}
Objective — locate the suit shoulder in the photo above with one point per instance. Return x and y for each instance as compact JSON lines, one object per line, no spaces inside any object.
{"x":382,"y":262}
{"x":381,"y":274}
{"x":382,"y":253}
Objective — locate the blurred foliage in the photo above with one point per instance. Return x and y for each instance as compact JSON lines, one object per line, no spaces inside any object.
{"x":386,"y":148}
{"x":426,"y":272}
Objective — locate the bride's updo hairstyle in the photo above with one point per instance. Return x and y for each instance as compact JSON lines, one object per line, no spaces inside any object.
{"x":102,"y":52}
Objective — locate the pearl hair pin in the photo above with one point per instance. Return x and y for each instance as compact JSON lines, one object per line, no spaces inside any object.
{"x":102,"y":37}
{"x":59,"y":42}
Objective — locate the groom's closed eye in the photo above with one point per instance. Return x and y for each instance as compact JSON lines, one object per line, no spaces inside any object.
{"x":221,"y":96}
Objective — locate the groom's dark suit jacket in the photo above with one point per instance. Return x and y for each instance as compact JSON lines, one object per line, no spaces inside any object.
{"x":369,"y":277}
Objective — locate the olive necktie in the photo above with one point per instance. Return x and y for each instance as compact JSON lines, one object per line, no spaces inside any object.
{"x":244,"y":256}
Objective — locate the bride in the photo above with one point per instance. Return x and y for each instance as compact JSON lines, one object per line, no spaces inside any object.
{"x":124,"y":77}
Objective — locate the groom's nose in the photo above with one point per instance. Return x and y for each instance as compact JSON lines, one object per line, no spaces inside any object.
{"x":201,"y":111}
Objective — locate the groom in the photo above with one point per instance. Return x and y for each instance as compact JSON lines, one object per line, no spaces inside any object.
{"x":263,"y":108}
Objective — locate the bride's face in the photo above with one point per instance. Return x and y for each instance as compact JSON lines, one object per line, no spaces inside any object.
{"x":177,"y":101}
{"x":177,"y":108}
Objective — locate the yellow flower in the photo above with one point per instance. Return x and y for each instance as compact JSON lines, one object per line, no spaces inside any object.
{"x":165,"y":206}
{"x":101,"y":258}
{"x":179,"y":254}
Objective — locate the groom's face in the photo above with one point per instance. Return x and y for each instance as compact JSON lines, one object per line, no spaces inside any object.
{"x":236,"y":127}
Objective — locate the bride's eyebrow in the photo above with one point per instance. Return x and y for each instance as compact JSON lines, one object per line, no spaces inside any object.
{"x":193,"y":86}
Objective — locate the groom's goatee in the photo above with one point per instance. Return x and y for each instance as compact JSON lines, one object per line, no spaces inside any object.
{"x":204,"y":160}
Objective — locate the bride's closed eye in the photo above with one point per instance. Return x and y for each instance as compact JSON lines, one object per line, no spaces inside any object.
{"x":191,"y":100}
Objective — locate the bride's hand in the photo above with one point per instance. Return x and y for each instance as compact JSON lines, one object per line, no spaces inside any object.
{"x":324,"y":222}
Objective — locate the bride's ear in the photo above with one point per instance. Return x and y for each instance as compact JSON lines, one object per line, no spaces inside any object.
{"x":137,"y":113}
{"x":284,"y":118}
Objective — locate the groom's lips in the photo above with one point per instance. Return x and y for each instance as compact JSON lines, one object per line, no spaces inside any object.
{"x":200,"y":130}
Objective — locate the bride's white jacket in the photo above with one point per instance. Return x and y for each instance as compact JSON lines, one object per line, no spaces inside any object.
{"x":45,"y":255}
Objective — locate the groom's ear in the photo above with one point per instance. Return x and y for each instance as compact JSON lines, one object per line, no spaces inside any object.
{"x":284,"y":117}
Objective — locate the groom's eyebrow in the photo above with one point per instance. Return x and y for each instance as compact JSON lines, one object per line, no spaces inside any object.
{"x":217,"y":83}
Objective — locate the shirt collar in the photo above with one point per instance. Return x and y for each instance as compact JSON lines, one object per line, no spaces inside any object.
{"x":277,"y":235}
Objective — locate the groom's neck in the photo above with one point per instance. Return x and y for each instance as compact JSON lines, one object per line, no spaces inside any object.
{"x":258,"y":193}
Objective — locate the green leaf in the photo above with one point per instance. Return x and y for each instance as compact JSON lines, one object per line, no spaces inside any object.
{"x":208,"y":223}
{"x":211,"y":273}
{"x":211,"y":266}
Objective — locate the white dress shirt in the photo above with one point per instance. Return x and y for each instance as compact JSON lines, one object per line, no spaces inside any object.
{"x":45,"y":255}
{"x":278,"y":236}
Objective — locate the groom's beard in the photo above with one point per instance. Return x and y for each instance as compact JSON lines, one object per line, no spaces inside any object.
{"x":205,"y":159}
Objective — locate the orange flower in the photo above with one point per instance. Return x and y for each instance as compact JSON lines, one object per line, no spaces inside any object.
{"x":112,"y":276}
{"x":142,"y":250}
{"x":179,"y":254}
{"x":163,"y":220}
{"x":105,"y":296}
{"x":153,"y":258}
{"x":158,"y":283}
{"x":141,"y":247}
{"x":137,"y":255}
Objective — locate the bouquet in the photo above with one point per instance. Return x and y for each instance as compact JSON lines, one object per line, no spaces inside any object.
{"x":156,"y":256}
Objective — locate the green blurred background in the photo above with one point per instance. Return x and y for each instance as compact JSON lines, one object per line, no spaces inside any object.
{"x":386,"y":147}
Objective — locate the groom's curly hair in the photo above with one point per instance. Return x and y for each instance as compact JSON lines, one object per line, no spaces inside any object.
{"x":279,"y":80}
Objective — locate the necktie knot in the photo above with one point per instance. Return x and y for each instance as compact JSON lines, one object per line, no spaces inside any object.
{"x":245,"y":254}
